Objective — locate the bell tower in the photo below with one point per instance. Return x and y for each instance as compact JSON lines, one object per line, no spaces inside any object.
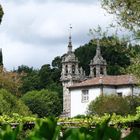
{"x":70,"y":75}
{"x":98,"y":64}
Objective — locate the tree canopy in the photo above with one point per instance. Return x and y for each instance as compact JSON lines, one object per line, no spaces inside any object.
{"x":10,"y":104}
{"x":109,"y":104}
{"x":126,"y":11}
{"x":10,"y":81}
{"x":1,"y":13}
{"x":43,"y":103}
{"x":114,"y":51}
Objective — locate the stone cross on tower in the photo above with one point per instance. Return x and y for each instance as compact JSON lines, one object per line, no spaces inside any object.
{"x":70,"y":42}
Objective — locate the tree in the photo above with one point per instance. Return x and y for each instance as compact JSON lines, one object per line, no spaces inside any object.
{"x":9,"y":104}
{"x":134,"y":68}
{"x":114,"y":51}
{"x":45,"y":76}
{"x":109,"y":104}
{"x":24,"y":69}
{"x":134,"y":102}
{"x":126,"y":11}
{"x":1,"y":13}
{"x":56,"y":63}
{"x":10,"y":81}
{"x":43,"y":103}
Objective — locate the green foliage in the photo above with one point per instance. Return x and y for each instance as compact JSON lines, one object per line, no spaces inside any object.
{"x":56,"y":63}
{"x":9,"y":134}
{"x":43,"y":103}
{"x":1,"y":13}
{"x":45,"y":75}
{"x":135,"y":67}
{"x":109,"y":104}
{"x":114,"y":51}
{"x":10,"y":104}
{"x":24,"y":69}
{"x":47,"y":129}
{"x":134,"y":102}
{"x":126,"y":11}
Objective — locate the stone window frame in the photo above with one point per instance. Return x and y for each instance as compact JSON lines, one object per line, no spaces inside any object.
{"x":85,"y":96}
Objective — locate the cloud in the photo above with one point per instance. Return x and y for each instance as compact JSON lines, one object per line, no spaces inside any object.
{"x":34,"y":33}
{"x":56,"y":1}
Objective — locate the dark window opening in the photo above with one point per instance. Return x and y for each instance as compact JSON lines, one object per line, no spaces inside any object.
{"x":119,"y":94}
{"x":73,"y":69}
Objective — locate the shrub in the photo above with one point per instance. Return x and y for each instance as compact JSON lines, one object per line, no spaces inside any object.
{"x":43,"y":103}
{"x":109,"y":104}
{"x":10,"y":104}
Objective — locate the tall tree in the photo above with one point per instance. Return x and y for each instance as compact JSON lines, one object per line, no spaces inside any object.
{"x":126,"y":11}
{"x":10,"y":104}
{"x":1,"y":13}
{"x":10,"y":81}
{"x":114,"y":50}
{"x":43,"y":103}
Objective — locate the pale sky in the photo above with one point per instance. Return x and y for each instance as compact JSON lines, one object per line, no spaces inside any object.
{"x":33,"y":32}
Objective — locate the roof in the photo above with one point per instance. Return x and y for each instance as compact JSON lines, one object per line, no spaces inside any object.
{"x":107,"y":80}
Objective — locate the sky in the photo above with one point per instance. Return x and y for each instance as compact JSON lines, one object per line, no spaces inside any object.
{"x":34,"y":32}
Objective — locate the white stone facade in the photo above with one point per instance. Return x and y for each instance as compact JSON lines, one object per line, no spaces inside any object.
{"x":80,"y":108}
{"x":79,"y":91}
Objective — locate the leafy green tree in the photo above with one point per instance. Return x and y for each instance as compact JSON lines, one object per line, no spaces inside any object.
{"x":10,"y":104}
{"x":10,"y":81}
{"x":1,"y":13}
{"x":30,"y":82}
{"x":109,"y":104}
{"x":126,"y":11}
{"x":43,"y":103}
{"x":134,"y":68}
{"x":134,"y":102}
{"x":45,"y":75}
{"x":114,"y":50}
{"x":30,"y":78}
{"x":56,"y":63}
{"x":24,"y":69}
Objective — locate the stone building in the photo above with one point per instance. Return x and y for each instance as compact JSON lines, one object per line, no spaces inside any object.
{"x":70,"y":75}
{"x":79,"y":90}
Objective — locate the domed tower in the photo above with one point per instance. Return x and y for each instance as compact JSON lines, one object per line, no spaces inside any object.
{"x":98,"y":64}
{"x":70,"y":75}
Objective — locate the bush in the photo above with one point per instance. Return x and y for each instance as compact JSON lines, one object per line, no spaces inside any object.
{"x":109,"y":104}
{"x":10,"y":104}
{"x":43,"y":103}
{"x":134,"y":102}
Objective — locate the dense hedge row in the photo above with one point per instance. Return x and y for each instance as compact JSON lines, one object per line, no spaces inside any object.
{"x":79,"y":128}
{"x":48,"y":129}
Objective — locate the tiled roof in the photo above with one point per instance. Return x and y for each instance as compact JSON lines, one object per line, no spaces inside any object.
{"x":107,"y":80}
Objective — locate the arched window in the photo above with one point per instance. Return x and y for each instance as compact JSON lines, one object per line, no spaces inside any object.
{"x":73,"y":69}
{"x":101,"y":70}
{"x":66,"y":69}
{"x":94,"y":71}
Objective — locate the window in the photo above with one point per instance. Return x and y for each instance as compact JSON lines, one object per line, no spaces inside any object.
{"x":85,"y":96}
{"x":73,"y":69}
{"x":101,"y":71}
{"x":66,"y":69}
{"x":94,"y":71}
{"x":119,"y":94}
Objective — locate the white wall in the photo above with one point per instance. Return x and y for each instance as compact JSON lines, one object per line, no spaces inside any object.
{"x":109,"y":90}
{"x":80,"y":108}
{"x":136,"y":91}
{"x":77,"y":106}
{"x":126,"y":91}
